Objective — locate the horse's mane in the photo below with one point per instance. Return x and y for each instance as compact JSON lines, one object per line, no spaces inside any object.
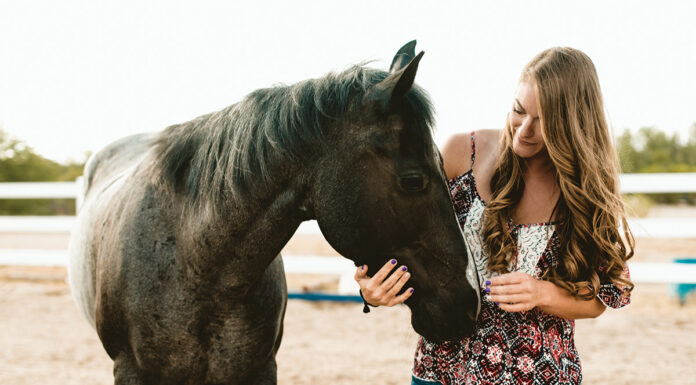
{"x":235,"y":150}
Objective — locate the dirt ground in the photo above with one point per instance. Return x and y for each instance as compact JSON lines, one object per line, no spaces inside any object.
{"x":45,"y":340}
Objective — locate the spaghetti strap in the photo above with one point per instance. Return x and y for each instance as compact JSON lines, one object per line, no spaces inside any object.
{"x":473,"y":149}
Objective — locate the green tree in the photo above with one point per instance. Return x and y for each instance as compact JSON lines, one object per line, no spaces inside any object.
{"x":652,"y":150}
{"x":628,"y":155}
{"x":19,"y":163}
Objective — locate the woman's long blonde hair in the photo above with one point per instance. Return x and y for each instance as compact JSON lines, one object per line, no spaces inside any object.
{"x":589,"y":210}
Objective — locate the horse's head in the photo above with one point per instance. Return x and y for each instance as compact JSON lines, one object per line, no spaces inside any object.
{"x":380,"y":192}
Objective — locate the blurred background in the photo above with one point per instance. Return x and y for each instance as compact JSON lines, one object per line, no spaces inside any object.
{"x":76,"y":75}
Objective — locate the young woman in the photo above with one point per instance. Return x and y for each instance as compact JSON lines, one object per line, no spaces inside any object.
{"x":539,"y":206}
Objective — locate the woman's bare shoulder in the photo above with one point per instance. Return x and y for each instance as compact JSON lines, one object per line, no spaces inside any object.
{"x":456,"y":155}
{"x":487,"y":138}
{"x":486,"y":153}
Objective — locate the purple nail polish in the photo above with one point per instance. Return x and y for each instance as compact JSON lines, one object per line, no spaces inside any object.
{"x":410,"y":290}
{"x":393,"y":261}
{"x":488,"y":282}
{"x":404,"y":268}
{"x":497,"y":303}
{"x":362,"y":267}
{"x":488,"y":290}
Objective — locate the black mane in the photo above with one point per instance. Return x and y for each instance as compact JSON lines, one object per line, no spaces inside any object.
{"x":235,"y":149}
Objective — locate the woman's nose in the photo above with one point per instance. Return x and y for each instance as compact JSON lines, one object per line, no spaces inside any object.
{"x":526,"y":127}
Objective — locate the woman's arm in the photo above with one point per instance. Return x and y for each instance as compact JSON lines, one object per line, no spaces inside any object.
{"x":515,"y":292}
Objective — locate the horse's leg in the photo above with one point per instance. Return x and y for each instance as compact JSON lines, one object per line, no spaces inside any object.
{"x":267,"y":375}
{"x":126,"y":371}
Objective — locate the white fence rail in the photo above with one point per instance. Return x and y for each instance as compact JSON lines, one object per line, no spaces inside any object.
{"x":658,"y":183}
{"x":650,"y":183}
{"x":330,"y":265}
{"x":683,"y":227}
{"x":641,"y":227}
{"x":64,"y":224}
{"x":39,"y":190}
{"x":631,"y":183}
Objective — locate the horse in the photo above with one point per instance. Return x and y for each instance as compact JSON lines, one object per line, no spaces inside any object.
{"x":175,"y":255}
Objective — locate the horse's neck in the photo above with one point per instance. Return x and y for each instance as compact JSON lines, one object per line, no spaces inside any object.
{"x":247,"y":234}
{"x":269,"y":224}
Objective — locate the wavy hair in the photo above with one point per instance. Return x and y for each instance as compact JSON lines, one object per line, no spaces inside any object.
{"x":592,"y":246}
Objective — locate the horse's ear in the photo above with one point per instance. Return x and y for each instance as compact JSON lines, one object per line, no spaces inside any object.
{"x":406,"y":76}
{"x":403,"y":56}
{"x":392,"y":89}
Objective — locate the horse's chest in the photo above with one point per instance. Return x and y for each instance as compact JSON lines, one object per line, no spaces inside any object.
{"x":224,"y":339}
{"x":181,"y":316}
{"x":234,"y":350}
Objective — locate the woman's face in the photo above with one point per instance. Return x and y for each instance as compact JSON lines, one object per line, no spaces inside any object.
{"x":527,"y":140}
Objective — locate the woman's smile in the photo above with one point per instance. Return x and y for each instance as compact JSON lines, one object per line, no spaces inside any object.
{"x":524,"y":142}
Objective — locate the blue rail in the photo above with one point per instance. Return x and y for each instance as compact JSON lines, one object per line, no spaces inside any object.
{"x":325,"y":297}
{"x":682,"y":290}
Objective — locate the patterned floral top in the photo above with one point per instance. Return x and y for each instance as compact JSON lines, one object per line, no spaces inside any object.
{"x":531,"y":347}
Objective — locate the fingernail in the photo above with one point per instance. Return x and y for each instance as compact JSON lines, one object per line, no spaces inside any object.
{"x":410,"y":290}
{"x":362,"y":267}
{"x":488,"y":282}
{"x":404,"y":268}
{"x":496,"y":303}
{"x":393,"y":261}
{"x":488,"y":290}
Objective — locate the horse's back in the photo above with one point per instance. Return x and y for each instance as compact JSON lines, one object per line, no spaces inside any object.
{"x":116,"y":157}
{"x":103,"y":173}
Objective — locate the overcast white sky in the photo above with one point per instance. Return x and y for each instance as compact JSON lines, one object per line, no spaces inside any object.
{"x":75,"y":75}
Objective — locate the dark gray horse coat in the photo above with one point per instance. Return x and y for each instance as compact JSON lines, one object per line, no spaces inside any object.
{"x":175,"y":255}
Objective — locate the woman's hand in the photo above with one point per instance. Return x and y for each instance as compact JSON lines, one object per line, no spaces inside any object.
{"x":382,"y":288}
{"x":515,"y":292}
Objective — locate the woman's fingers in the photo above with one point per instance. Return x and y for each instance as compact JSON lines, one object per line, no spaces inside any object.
{"x":506,"y":289}
{"x":384,"y":271}
{"x":508,"y":279}
{"x":513,"y":292}
{"x":516,"y":293}
{"x":511,"y":298}
{"x":515,"y":307}
{"x":394,"y":278}
{"x":361,"y":273}
{"x":403,"y":297}
{"x":399,"y":279}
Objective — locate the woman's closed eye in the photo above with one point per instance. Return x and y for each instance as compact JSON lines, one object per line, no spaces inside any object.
{"x":518,"y":110}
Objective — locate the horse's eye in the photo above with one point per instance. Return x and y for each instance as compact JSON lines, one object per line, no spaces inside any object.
{"x":411,"y":182}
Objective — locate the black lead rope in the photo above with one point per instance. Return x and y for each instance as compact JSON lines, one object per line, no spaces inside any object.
{"x":366,"y":307}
